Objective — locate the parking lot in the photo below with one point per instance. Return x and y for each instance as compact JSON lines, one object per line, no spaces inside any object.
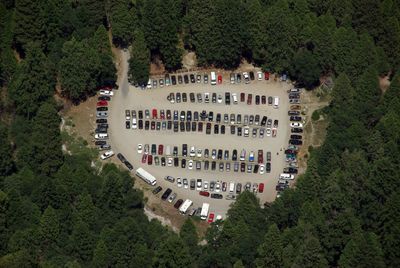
{"x":125,"y":140}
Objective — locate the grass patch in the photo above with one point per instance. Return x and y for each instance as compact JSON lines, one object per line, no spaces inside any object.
{"x":316,"y":115}
{"x":78,"y":146}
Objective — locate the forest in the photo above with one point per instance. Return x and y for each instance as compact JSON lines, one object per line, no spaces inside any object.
{"x":56,"y":210}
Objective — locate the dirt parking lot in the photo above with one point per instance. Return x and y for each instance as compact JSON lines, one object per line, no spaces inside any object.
{"x":125,"y":140}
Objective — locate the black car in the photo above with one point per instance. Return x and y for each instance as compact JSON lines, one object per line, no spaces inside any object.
{"x":157,"y":190}
{"x":214,"y":98}
{"x":196,"y":116}
{"x":186,"y":79}
{"x":200,"y":127}
{"x":187,"y":126}
{"x":121,"y":157}
{"x":176,"y":162}
{"x":216,"y":129}
{"x":176,"y":126}
{"x":290,"y":170}
{"x":175,"y":151}
{"x":192,"y":78}
{"x":257,"y":99}
{"x":242,"y":167}
{"x":153,"y":149}
{"x":216,"y":196}
{"x":233,"y":130}
{"x":295,"y":118}
{"x":238,"y":78}
{"x":140,"y":123}
{"x":234,"y":155}
{"x":268,"y":167}
{"x":218,"y":118}
{"x":222,"y":129}
{"x":101,"y":130}
{"x":256,"y":167}
{"x":239,"y":131}
{"x":213,"y":165}
{"x":183,"y":163}
{"x":147,"y":125}
{"x":227,"y":98}
{"x":194,"y":126}
{"x":203,"y":115}
{"x":264,"y":121}
{"x":166,"y":194}
{"x":173,"y":80}
{"x":104,"y":147}
{"x":210,"y":116}
{"x":178,"y":97}
{"x":100,"y":142}
{"x":101,"y":121}
{"x":128,"y":165}
{"x":184,"y":97}
{"x":169,"y":125}
{"x":296,"y":137}
{"x":192,"y":97}
{"x":163,"y":161}
{"x":208,"y":128}
{"x":102,"y":109}
{"x":206,"y":165}
{"x":140,"y":114}
{"x":296,"y":142}
{"x":189,"y":115}
{"x":219,"y":155}
{"x":180,"y":81}
{"x":251,"y":75}
{"x":104,"y":98}
{"x":296,"y":130}
{"x":127,"y":124}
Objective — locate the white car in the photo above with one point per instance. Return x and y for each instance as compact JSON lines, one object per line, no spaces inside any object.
{"x":179,"y":182}
{"x":101,"y":136}
{"x":185,"y":183}
{"x":134,"y":123}
{"x":219,"y":99}
{"x":206,"y":97}
{"x":149,"y":84}
{"x":190,"y":164}
{"x":172,"y":197}
{"x":205,"y":185}
{"x":262,"y":169}
{"x":268,"y":131}
{"x":146,"y":149}
{"x":170,"y":161}
{"x":259,"y":75}
{"x":139,"y":148}
{"x":246,"y":77}
{"x":218,"y":187}
{"x":199,"y":153}
{"x":106,"y":92}
{"x":296,"y":124}
{"x":199,"y":185}
{"x":106,"y":155}
{"x":192,"y":151}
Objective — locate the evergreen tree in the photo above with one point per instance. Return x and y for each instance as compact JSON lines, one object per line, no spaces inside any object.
{"x":271,"y":250}
{"x":49,"y":229}
{"x":172,"y":253}
{"x":6,"y":161}
{"x":81,"y":241}
{"x":305,"y":69}
{"x":4,"y":232}
{"x":123,"y":20}
{"x":100,"y":255}
{"x":310,"y":254}
{"x":139,"y":63}
{"x":188,"y":235}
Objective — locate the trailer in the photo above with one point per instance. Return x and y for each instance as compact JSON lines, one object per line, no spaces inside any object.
{"x":185,"y":206}
{"x":146,"y":176}
{"x":204,"y":211}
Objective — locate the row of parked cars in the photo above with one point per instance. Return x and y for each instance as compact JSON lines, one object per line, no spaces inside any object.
{"x":197,"y":78}
{"x":226,"y":98}
{"x":296,"y":129}
{"x":215,"y":188}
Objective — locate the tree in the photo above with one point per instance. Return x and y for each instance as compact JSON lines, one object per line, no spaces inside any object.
{"x":100,"y":255}
{"x":172,"y":253}
{"x":49,"y":229}
{"x":33,"y":83}
{"x":81,"y":241}
{"x":188,"y":235}
{"x":77,"y":79}
{"x":271,"y":250}
{"x":305,"y":69}
{"x":123,"y":20}
{"x":310,"y":254}
{"x":6,"y":161}
{"x":345,"y":40}
{"x":139,"y":63}
{"x":4,"y":232}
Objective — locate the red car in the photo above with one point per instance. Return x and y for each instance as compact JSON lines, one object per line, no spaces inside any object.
{"x":150,"y":159}
{"x":160,"y":149}
{"x":249,"y":99}
{"x":219,"y":79}
{"x":211,"y":218}
{"x":154,"y":113}
{"x":266,"y":75}
{"x":102,"y":103}
{"x":260,"y":156}
{"x":204,"y":193}
{"x":144,"y":158}
{"x":242,"y":97}
{"x":261,"y":187}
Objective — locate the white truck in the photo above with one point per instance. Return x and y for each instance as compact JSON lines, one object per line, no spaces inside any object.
{"x":185,"y":206}
{"x":213,"y":78}
{"x":146,"y":176}
{"x":204,"y":211}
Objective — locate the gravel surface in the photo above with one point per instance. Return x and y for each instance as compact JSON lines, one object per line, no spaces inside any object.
{"x":125,"y":140}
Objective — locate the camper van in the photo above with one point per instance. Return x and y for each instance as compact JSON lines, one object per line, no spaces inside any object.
{"x":213,"y":78}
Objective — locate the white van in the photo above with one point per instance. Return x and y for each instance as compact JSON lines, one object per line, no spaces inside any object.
{"x":168,"y":150}
{"x":101,"y":136}
{"x":276,"y":102}
{"x":231,"y":187}
{"x":213,"y":78}
{"x":234,"y":98}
